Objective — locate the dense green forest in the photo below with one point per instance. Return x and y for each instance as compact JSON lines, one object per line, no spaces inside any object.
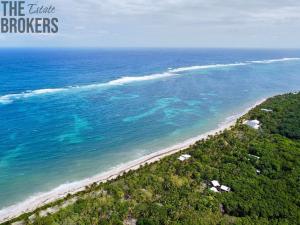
{"x":264,"y":190}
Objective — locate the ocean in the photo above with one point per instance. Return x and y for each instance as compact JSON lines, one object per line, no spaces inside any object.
{"x":68,"y":114}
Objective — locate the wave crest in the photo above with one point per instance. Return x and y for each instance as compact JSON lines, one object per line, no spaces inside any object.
{"x":10,"y":98}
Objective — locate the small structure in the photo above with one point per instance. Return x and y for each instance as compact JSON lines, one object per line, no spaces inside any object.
{"x":225,"y":188}
{"x":187,"y":156}
{"x":254,"y":156}
{"x":181,"y":158}
{"x":258,"y":171}
{"x":184,"y":157}
{"x":214,"y":189}
{"x":267,"y":110}
{"x":255,"y":124}
{"x":215,"y":183}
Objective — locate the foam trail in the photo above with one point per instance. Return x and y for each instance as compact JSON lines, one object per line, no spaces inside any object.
{"x":6,"y":99}
{"x":126,"y":80}
{"x":183,"y":69}
{"x":10,"y":98}
{"x":213,"y":66}
{"x":274,"y":60}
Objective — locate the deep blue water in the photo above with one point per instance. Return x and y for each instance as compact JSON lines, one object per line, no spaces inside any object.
{"x":67,"y":114}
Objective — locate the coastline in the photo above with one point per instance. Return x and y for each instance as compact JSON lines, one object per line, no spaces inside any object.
{"x":63,"y":190}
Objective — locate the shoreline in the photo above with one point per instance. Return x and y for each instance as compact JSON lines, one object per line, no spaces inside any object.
{"x":41,"y":199}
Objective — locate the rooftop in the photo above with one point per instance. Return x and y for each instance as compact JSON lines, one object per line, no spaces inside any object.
{"x":215,"y":183}
{"x":184,"y":157}
{"x":225,"y":188}
{"x":214,"y":189}
{"x":252,"y":123}
{"x":267,"y":110}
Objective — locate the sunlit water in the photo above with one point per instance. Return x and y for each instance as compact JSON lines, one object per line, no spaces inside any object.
{"x":69,"y":114}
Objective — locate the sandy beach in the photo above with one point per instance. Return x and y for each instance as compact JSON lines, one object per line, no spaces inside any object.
{"x":41,"y":199}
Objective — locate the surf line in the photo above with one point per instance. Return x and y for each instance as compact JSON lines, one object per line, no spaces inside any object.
{"x":10,"y":98}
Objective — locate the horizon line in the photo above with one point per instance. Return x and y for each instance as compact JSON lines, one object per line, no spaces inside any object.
{"x":146,"y":47}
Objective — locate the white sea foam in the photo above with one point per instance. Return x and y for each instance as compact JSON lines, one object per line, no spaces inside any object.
{"x":274,"y":60}
{"x":5,"y":99}
{"x":213,"y":66}
{"x":126,"y":80}
{"x":9,"y":98}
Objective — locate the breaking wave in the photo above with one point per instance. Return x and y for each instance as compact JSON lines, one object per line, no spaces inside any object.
{"x":9,"y":98}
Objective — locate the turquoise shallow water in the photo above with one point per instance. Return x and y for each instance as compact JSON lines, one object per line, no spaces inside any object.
{"x":71,"y":113}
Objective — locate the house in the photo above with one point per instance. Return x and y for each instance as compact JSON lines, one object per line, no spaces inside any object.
{"x":225,"y":188}
{"x":184,"y":157}
{"x":181,"y":158}
{"x":215,"y":183}
{"x":255,"y":124}
{"x":267,"y":110}
{"x":214,"y":189}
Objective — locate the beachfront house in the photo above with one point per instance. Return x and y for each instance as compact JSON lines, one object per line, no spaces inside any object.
{"x":184,"y":157}
{"x":255,"y":124}
{"x":181,"y":158}
{"x":187,"y":156}
{"x":267,"y":110}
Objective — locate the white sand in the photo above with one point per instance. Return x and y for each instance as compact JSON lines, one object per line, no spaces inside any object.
{"x":41,"y":199}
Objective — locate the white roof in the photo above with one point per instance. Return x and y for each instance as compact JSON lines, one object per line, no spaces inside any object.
{"x":255,"y":127}
{"x":181,"y":158}
{"x":225,"y":188}
{"x":215,"y":183}
{"x":214,"y":189}
{"x":252,"y":123}
{"x":257,"y":171}
{"x":267,"y":110}
{"x":184,"y":157}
